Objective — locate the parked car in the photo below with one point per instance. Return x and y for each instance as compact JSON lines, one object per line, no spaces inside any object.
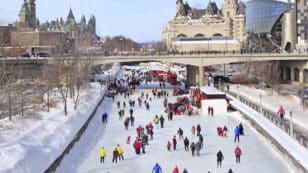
{"x":42,"y":54}
{"x":26,"y":55}
{"x":306,"y":93}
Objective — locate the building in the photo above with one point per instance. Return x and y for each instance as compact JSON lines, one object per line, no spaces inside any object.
{"x":273,"y":21}
{"x":301,"y":23}
{"x":209,"y":29}
{"x":57,"y":36}
{"x":284,"y":23}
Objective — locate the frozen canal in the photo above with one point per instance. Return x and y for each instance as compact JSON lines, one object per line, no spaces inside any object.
{"x":258,"y":156}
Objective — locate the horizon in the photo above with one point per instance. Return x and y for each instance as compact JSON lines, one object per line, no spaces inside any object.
{"x":115,"y":18}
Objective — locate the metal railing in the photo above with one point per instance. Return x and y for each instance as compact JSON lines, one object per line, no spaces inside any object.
{"x":298,"y":133}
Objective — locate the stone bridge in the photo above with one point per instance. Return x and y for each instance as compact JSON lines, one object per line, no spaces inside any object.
{"x":195,"y":62}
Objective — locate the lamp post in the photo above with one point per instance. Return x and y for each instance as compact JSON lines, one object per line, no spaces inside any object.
{"x":260,"y":105}
{"x":121,"y":39}
{"x":291,"y":126}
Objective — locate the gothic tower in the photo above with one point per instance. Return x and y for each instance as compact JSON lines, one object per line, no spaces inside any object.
{"x":24,"y":13}
{"x":32,"y":7}
{"x":229,"y":8}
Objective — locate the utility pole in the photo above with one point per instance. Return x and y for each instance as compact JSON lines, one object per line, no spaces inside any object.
{"x":291,"y":126}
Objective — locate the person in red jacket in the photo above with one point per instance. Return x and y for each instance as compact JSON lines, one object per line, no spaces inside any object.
{"x":137,"y":146}
{"x":169,"y":145}
{"x":176,"y":170}
{"x":238,"y":153}
{"x":174,"y":142}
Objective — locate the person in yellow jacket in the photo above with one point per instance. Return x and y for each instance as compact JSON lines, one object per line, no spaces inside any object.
{"x":156,"y":120}
{"x":120,"y":152}
{"x":102,"y":154}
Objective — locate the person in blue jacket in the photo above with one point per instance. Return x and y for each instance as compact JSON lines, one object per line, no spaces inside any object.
{"x":237,"y":133}
{"x":157,"y":169}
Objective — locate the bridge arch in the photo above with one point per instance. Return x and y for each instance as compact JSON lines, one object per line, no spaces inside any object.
{"x":217,"y":35}
{"x":296,"y":74}
{"x":199,"y":35}
{"x":181,"y":36}
{"x":288,"y":74}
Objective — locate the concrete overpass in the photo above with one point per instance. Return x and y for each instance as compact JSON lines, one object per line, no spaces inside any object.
{"x":195,"y":62}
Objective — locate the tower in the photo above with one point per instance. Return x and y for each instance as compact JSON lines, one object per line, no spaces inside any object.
{"x":32,"y":20}
{"x":24,"y":13}
{"x":229,"y":8}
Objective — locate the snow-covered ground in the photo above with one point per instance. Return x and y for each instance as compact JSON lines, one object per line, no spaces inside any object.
{"x":274,"y":101}
{"x":41,"y":138}
{"x":258,"y":156}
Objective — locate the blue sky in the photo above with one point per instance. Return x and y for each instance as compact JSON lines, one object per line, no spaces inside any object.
{"x":141,"y":20}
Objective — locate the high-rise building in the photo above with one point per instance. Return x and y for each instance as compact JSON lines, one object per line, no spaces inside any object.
{"x":301,"y":23}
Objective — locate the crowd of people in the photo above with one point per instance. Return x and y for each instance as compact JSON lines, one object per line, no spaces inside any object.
{"x":145,"y":132}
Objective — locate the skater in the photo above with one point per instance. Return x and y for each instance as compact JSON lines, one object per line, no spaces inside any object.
{"x":128,"y":140}
{"x":198,"y":129}
{"x":120,"y":115}
{"x":240,"y":126}
{"x":185,"y":170}
{"x":193,"y":130}
{"x":126,"y":122}
{"x":281,"y":112}
{"x":131,"y":111}
{"x":169,"y":146}
{"x":143,"y":147}
{"x":186,"y":144}
{"x":118,"y":103}
{"x":176,"y":170}
{"x":157,"y":169}
{"x":115,"y":155}
{"x":201,"y":140}
{"x":209,"y":110}
{"x":238,"y":153}
{"x":147,"y":105}
{"x":225,"y":131}
{"x":151,"y":133}
{"x":137,"y":146}
{"x":104,"y":117}
{"x":132,"y":120}
{"x":124,"y":104}
{"x":230,"y":171}
{"x":237,"y":134}
{"x":180,"y":133}
{"x":120,"y":152}
{"x":193,"y":148}
{"x":174,"y":142}
{"x":220,"y":158}
{"x":212,"y":111}
{"x":198,"y":148}
{"x":156,"y":120}
{"x":162,"y":120}
{"x":103,"y":154}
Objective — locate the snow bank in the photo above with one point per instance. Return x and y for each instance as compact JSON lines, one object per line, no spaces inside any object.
{"x":289,"y":144}
{"x":35,"y":149}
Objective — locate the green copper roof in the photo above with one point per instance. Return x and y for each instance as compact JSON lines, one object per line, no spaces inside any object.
{"x":24,"y":10}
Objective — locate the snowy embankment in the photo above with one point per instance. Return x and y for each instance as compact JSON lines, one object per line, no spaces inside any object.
{"x":292,"y":146}
{"x":35,"y":147}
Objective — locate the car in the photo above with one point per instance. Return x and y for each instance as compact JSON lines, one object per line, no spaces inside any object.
{"x":306,"y":93}
{"x":26,"y":55}
{"x":42,"y":54}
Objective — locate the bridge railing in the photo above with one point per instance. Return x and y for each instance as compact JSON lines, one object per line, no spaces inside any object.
{"x":284,"y":125}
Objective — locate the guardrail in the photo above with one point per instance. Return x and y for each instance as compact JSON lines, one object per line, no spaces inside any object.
{"x":284,"y":125}
{"x":52,"y":168}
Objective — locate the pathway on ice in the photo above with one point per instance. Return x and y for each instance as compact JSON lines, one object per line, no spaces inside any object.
{"x":84,"y":158}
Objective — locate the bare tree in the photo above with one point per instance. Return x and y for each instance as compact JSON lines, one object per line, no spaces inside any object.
{"x":50,"y":79}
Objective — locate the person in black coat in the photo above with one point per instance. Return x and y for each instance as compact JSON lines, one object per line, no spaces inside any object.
{"x":220,"y":158}
{"x":186,"y":144}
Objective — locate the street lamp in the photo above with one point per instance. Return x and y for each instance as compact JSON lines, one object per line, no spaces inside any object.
{"x":291,"y":125}
{"x":121,"y":39}
{"x":260,"y":105}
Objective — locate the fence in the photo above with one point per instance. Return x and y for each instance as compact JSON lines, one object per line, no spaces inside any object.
{"x":284,"y":125}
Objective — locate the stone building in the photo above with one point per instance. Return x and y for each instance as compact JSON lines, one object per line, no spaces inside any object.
{"x":54,"y":37}
{"x":209,"y":29}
